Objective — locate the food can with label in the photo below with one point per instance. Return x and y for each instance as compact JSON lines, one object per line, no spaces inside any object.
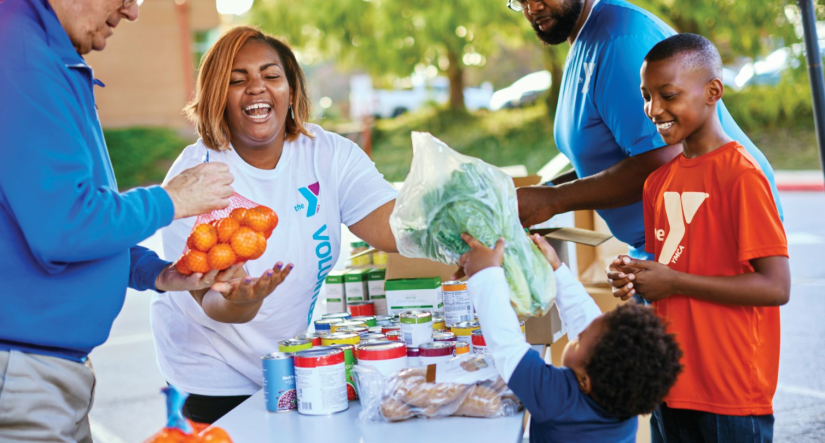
{"x":361,"y":308}
{"x":369,"y":320}
{"x":279,"y":382}
{"x":373,"y":336}
{"x":438,"y":321}
{"x":314,"y":337}
{"x":463,"y":330}
{"x":338,"y":315}
{"x":395,"y":335}
{"x":479,"y":345}
{"x":462,"y":347}
{"x":375,"y":330}
{"x":320,"y":378}
{"x":521,"y":324}
{"x":436,"y":352}
{"x":360,"y":330}
{"x":417,"y":327}
{"x":324,"y":324}
{"x":349,"y":362}
{"x":341,"y":338}
{"x":346,"y":323}
{"x":458,"y":306}
{"x":393,"y":327}
{"x":413,"y":360}
{"x":383,"y":320}
{"x":443,"y":336}
{"x":294,"y":345}
{"x":387,"y":357}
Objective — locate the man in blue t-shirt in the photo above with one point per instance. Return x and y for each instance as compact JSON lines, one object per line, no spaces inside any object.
{"x":600,"y":121}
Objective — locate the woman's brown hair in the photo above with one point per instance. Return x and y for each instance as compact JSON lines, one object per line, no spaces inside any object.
{"x":207,"y":110}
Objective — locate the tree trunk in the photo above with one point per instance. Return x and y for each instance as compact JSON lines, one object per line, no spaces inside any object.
{"x":456,"y":75}
{"x":554,"y":62}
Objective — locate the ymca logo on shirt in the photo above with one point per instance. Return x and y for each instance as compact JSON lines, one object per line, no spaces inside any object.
{"x":588,"y":73}
{"x":680,"y":210}
{"x":310,"y":194}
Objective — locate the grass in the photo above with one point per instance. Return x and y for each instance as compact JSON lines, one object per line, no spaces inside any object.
{"x":142,"y":156}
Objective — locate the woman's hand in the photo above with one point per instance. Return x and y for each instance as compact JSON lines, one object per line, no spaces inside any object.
{"x":249,"y":291}
{"x":171,"y":280}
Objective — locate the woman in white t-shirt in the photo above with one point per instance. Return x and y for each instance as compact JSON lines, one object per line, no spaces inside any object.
{"x":250,"y":110}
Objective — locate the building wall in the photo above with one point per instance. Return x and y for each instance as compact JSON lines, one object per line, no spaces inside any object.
{"x":148,"y":66}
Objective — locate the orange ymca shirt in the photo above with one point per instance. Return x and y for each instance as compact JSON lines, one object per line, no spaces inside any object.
{"x":710,"y":215}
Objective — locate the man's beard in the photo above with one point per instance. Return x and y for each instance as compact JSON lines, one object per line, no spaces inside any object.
{"x":565,"y":21}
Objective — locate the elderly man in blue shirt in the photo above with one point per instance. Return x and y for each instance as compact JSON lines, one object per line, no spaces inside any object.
{"x":68,"y":238}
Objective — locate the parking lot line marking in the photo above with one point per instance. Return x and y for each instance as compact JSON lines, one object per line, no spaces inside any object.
{"x":128,"y":339}
{"x":801,"y":391}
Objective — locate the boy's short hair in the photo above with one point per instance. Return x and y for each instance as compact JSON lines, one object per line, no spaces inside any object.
{"x":635,"y":362}
{"x":699,"y":52}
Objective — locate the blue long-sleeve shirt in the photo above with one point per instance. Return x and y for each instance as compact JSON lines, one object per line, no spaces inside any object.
{"x":67,"y":236}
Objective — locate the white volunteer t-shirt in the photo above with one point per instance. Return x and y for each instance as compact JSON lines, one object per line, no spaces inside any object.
{"x":317,"y":185}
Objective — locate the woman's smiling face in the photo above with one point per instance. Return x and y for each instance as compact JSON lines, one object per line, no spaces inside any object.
{"x":259,"y":96}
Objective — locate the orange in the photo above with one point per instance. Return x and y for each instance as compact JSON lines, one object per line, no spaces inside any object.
{"x":268,"y":233}
{"x":181,"y":267}
{"x":204,"y":236}
{"x":244,"y":242}
{"x":215,"y":435}
{"x":257,"y":218}
{"x":238,"y":214}
{"x":196,"y":261}
{"x":221,"y":256}
{"x":261,"y":246}
{"x":226,"y":227}
{"x":273,"y":217}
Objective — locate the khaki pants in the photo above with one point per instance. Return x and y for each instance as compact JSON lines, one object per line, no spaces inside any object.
{"x":44,"y":399}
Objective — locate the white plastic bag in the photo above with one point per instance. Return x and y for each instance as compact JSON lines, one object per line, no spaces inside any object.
{"x":446,"y":194}
{"x":465,"y":386}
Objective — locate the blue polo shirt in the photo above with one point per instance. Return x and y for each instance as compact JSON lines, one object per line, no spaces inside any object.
{"x":67,"y":236}
{"x":600,"y":118}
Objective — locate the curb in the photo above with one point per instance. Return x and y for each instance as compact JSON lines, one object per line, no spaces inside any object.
{"x":800,"y":181}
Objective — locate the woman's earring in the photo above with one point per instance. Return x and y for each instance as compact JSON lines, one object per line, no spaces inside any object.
{"x":291,"y":112}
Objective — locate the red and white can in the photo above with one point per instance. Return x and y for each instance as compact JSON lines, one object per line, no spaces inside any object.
{"x":479,"y":345}
{"x":387,"y":357}
{"x":395,"y":335}
{"x":361,"y":308}
{"x":388,"y":328}
{"x":320,"y":378}
{"x":443,"y":336}
{"x":436,"y":352}
{"x":314,"y":337}
{"x":412,"y":357}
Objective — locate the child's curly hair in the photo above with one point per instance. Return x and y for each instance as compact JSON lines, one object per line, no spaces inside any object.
{"x":635,"y":362}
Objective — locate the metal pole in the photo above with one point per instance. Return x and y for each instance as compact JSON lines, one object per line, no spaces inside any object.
{"x":806,"y":7}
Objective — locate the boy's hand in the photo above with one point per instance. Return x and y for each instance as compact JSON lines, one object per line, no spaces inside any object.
{"x":652,"y":279}
{"x":621,"y":277}
{"x":480,"y":257}
{"x":547,"y":250}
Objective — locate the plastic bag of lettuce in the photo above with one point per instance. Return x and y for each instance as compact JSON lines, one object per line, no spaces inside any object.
{"x":447,"y":193}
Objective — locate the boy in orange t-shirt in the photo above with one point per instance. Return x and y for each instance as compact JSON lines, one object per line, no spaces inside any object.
{"x":721,"y":269}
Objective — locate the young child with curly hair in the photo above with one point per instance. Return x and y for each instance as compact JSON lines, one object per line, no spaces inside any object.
{"x":615,"y":367}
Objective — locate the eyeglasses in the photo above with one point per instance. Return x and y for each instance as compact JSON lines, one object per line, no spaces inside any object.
{"x":517,"y":5}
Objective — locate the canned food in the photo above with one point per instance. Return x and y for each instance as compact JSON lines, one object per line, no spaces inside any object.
{"x":369,"y":320}
{"x":338,"y":315}
{"x":382,"y":320}
{"x":462,"y":347}
{"x":360,"y":330}
{"x":463,"y":330}
{"x":314,"y":337}
{"x":325,"y":323}
{"x":479,"y":345}
{"x":443,"y":336}
{"x":294,"y":345}
{"x":417,"y":327}
{"x":395,"y":335}
{"x":336,"y":326}
{"x":320,"y":377}
{"x":341,"y":338}
{"x":394,"y":327}
{"x":349,"y":362}
{"x":438,"y":321}
{"x":373,"y":336}
{"x":375,"y":330}
{"x":436,"y":352}
{"x":387,"y":357}
{"x":521,"y":324}
{"x":458,"y":306}
{"x":413,"y":360}
{"x":279,"y":382}
{"x":361,"y":308}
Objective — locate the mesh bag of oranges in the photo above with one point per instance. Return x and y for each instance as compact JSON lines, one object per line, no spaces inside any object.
{"x":180,"y":430}
{"x":223,"y":237}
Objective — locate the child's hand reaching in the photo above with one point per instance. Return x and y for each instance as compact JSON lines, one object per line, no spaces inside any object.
{"x":547,"y":250}
{"x":653,"y":280}
{"x":480,"y":257}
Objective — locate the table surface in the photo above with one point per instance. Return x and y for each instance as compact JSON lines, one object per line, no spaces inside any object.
{"x":251,"y":423}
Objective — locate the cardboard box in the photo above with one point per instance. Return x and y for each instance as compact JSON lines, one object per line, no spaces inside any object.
{"x":404,"y":294}
{"x":335,"y":293}
{"x":592,"y":262}
{"x":376,"y":288}
{"x":355,"y":284}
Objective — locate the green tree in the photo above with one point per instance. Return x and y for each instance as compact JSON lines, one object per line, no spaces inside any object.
{"x":393,"y":38}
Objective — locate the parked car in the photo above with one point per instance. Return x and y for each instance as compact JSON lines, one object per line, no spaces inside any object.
{"x":523,"y":91}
